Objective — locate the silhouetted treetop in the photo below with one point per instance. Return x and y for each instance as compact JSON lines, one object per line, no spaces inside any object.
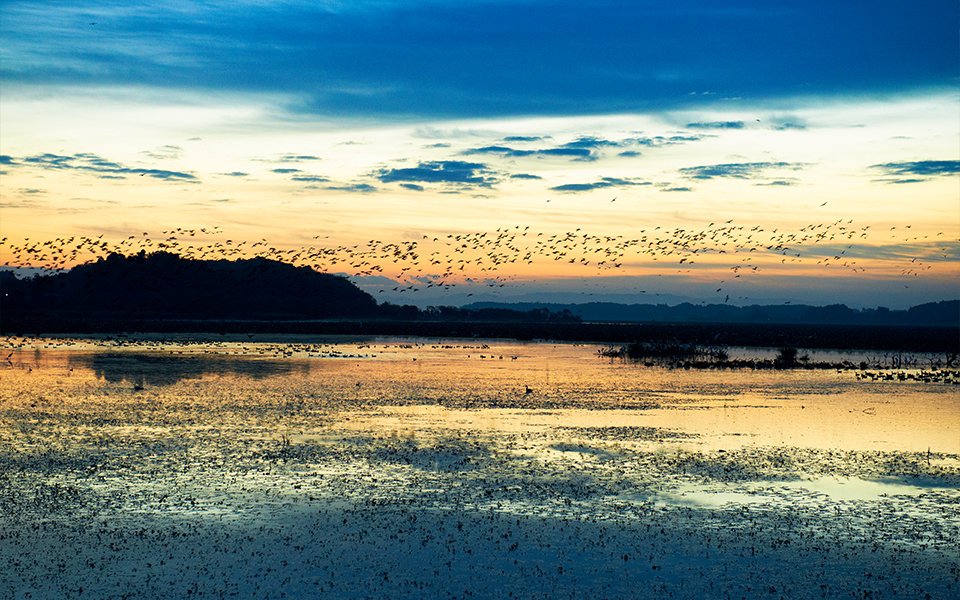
{"x":163,"y":284}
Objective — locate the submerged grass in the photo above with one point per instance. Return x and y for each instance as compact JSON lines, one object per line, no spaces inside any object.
{"x":303,"y":483}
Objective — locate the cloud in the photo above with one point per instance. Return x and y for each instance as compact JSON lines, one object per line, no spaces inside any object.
{"x":524,"y":176}
{"x":716,"y":125}
{"x":412,"y":186}
{"x":604,"y":182}
{"x":779,"y":182}
{"x":630,"y":153}
{"x":310,"y":178}
{"x":289,"y":158}
{"x":454,"y":172}
{"x":676,"y":189}
{"x":916,"y":171}
{"x":899,"y":181}
{"x":374,"y":59}
{"x":526,"y":138}
{"x":928,"y":251}
{"x":581,"y":154}
{"x":501,"y":150}
{"x":659,"y":140}
{"x":105,"y":169}
{"x":590,"y":142}
{"x":285,"y":171}
{"x":737,"y":170}
{"x":584,"y":148}
{"x":235,"y":174}
{"x":361,"y":188}
{"x":788,"y":123}
{"x":164,"y":152}
{"x":430,"y":132}
{"x":7,"y":160}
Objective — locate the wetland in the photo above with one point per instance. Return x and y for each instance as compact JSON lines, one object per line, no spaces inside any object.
{"x":241,"y":466}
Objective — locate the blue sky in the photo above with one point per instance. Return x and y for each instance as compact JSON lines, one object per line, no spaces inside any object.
{"x":342,"y":121}
{"x":456,"y":59}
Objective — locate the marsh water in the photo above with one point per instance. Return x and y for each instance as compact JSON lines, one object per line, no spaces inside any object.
{"x":374,"y":467}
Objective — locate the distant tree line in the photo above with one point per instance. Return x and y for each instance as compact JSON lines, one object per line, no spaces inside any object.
{"x":945,"y":313}
{"x":165,"y":285}
{"x":162,"y":285}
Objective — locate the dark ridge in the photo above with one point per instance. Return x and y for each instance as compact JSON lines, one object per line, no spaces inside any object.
{"x":163,"y":292}
{"x":942,"y":314}
{"x":164,"y":285}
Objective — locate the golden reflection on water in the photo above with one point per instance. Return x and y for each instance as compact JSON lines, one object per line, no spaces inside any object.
{"x":327,"y":440}
{"x":414,"y":387}
{"x":480,"y":387}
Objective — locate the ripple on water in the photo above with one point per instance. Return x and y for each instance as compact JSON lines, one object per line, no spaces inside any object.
{"x":379,"y":475}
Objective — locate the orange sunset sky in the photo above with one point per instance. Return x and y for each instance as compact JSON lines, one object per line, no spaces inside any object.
{"x":441,"y":153}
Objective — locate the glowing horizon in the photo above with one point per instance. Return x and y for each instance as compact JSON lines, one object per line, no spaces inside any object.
{"x":121,"y":151}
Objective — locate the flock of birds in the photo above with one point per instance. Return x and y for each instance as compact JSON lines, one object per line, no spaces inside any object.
{"x":495,"y":258}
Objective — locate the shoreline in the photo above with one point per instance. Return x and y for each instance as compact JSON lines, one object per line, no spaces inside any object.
{"x":768,"y":335}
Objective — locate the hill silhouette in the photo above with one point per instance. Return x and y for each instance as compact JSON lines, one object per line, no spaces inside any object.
{"x":165,"y":285}
{"x":162,"y":292}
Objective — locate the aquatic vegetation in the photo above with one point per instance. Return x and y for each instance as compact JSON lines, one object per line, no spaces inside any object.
{"x":384,"y":475}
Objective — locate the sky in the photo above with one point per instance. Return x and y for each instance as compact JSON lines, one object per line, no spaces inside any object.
{"x":443,"y":152}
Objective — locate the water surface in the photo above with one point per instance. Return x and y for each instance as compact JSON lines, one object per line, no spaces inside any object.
{"x":348,"y":455}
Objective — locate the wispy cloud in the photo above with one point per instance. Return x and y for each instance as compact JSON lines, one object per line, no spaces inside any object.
{"x":453,"y":172}
{"x":288,"y":158}
{"x":164,"y":152}
{"x":584,"y":148}
{"x":591,"y":142}
{"x":659,"y":140}
{"x":310,"y":178}
{"x":790,"y":181}
{"x":603,"y":182}
{"x":916,"y":171}
{"x":737,"y":170}
{"x":716,"y":125}
{"x":91,"y":163}
{"x":361,"y":188}
{"x":582,"y":154}
{"x":929,"y":250}
{"x":901,"y":181}
{"x":526,"y":138}
{"x":787,"y":123}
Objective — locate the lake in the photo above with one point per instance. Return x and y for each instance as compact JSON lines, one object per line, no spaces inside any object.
{"x":285,"y":466}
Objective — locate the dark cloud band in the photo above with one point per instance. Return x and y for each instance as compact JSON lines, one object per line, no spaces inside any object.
{"x":91,"y":163}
